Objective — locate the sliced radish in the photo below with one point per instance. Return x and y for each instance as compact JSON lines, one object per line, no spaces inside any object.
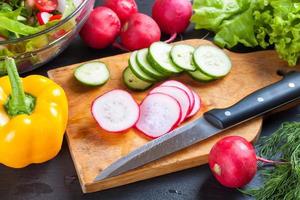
{"x":115,"y":111}
{"x":197,"y":105}
{"x":183,"y":87}
{"x":159,"y":114}
{"x":43,"y":17}
{"x":177,"y":93}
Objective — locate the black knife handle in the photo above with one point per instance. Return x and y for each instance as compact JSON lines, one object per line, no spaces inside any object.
{"x":257,"y":103}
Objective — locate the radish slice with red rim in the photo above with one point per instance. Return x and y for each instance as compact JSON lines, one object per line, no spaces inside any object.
{"x":159,"y":114}
{"x":197,"y":105}
{"x":43,"y":17}
{"x":180,"y":95}
{"x":183,"y":87}
{"x":115,"y":111}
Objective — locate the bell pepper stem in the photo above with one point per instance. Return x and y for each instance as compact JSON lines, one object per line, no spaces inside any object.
{"x":18,"y":102}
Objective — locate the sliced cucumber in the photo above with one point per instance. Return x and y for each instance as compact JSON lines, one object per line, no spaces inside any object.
{"x":93,"y":73}
{"x":159,"y":57}
{"x":133,"y":82}
{"x":199,"y":76}
{"x":142,"y":61}
{"x":182,"y":56}
{"x":137,"y":70}
{"x":212,"y":61}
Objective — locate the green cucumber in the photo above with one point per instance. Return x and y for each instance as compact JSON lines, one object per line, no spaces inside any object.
{"x":199,"y":76}
{"x":159,"y":57}
{"x":92,"y":74}
{"x":142,"y":61}
{"x":133,"y":82}
{"x":137,"y":70}
{"x":212,"y":61}
{"x":182,"y":57}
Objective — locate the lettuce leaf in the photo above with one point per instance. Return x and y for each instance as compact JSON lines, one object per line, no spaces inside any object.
{"x":252,"y":23}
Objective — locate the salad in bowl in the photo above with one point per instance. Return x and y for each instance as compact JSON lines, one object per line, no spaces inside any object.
{"x":35,"y":31}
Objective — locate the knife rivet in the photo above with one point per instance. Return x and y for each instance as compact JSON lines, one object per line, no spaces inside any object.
{"x":260,"y":99}
{"x":227,"y":113}
{"x":291,"y":85}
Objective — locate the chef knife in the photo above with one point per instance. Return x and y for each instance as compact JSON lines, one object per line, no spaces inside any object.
{"x":213,"y":122}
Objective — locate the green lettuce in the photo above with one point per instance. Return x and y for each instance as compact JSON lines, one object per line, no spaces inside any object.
{"x":252,"y":23}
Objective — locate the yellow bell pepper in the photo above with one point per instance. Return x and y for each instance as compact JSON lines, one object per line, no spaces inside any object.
{"x":33,"y":118}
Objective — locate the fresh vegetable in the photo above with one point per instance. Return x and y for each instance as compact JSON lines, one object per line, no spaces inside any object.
{"x":160,"y":113}
{"x":180,"y":95}
{"x":123,"y":8}
{"x":200,"y":76}
{"x":46,"y":5}
{"x":282,"y":180}
{"x":43,"y":17}
{"x":197,"y":105}
{"x":232,"y":161}
{"x":101,"y":28}
{"x":135,"y":68}
{"x":180,"y":85}
{"x":34,"y":115}
{"x":133,"y":82}
{"x":182,"y":57}
{"x":142,"y":61}
{"x":92,"y":74}
{"x":159,"y":56}
{"x":212,"y":61}
{"x":252,"y":23}
{"x":115,"y":111}
{"x":139,"y":32}
{"x":172,"y":16}
{"x":158,"y":62}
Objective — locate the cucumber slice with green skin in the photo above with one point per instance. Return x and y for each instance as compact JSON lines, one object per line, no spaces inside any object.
{"x":212,"y":61}
{"x":92,"y":74}
{"x":142,"y":61}
{"x":137,"y":70}
{"x":182,"y":56}
{"x":133,"y":82}
{"x":159,"y":56}
{"x":199,"y":76}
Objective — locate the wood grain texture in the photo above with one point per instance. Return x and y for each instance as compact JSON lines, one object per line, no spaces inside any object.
{"x":93,"y":149}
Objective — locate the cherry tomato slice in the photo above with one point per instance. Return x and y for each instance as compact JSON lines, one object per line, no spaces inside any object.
{"x":55,"y":17}
{"x":46,"y":5}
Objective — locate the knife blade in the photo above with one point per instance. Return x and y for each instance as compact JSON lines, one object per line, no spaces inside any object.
{"x":285,"y":91}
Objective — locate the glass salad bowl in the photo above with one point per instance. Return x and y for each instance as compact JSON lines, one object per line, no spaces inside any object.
{"x":35,"y":50}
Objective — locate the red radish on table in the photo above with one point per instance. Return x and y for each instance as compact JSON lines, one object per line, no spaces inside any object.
{"x":233,"y":161}
{"x":178,"y":94}
{"x":183,"y":87}
{"x":172,"y":16}
{"x":115,"y":111}
{"x":101,"y":28}
{"x":159,"y":114}
{"x":123,"y":8}
{"x":55,"y":17}
{"x":197,"y":105}
{"x":139,"y":32}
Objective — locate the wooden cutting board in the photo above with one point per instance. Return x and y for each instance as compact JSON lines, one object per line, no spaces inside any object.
{"x":93,"y":149}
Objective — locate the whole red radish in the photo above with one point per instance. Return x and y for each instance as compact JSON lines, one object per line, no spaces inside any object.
{"x":101,"y":28}
{"x":123,"y":8}
{"x":140,"y":31}
{"x":172,"y":16}
{"x":233,"y":161}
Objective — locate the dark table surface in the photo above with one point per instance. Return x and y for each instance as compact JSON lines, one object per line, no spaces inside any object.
{"x":57,"y":178}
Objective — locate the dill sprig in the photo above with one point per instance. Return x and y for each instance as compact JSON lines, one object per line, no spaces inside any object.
{"x":281,"y":182}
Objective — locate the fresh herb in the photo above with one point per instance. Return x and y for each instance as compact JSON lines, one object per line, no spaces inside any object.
{"x":280,"y":181}
{"x":252,"y":23}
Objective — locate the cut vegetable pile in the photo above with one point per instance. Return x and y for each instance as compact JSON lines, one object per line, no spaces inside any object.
{"x":162,"y":60}
{"x":162,"y":110}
